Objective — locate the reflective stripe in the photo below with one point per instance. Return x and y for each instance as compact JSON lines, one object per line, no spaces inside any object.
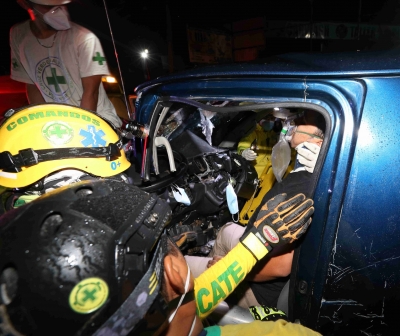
{"x":254,"y":245}
{"x":11,"y":176}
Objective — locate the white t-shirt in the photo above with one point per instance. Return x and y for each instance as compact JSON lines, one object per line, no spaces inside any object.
{"x":58,"y":69}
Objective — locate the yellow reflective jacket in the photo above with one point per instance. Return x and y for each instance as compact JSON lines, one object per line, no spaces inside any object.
{"x":265,"y":142}
{"x":261,"y":328}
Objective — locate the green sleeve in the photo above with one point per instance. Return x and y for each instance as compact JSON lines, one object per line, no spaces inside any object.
{"x":217,"y":282}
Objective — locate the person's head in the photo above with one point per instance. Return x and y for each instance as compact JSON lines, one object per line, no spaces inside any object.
{"x":84,"y":260}
{"x":52,"y":13}
{"x":309,"y":127}
{"x":267,"y":122}
{"x":42,"y":140}
{"x":178,"y":291}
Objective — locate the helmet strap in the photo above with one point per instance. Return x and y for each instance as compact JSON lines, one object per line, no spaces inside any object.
{"x":29,"y":157}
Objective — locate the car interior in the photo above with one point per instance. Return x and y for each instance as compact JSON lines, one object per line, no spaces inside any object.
{"x":194,"y":152}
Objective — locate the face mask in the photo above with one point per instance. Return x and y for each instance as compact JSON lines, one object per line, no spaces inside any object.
{"x":290,"y":132}
{"x":180,"y":302}
{"x":57,"y":18}
{"x":267,"y":125}
{"x":231,"y":199}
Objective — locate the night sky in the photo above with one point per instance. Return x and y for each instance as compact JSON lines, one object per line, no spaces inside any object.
{"x":143,"y":24}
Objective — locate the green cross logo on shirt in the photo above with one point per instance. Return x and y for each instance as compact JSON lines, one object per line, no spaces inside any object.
{"x":15,"y":64}
{"x":55,"y":80}
{"x":99,"y":58}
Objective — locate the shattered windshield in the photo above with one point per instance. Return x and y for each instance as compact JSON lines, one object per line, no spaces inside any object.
{"x":212,"y":127}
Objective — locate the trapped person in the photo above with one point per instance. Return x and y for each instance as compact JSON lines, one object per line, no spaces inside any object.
{"x":270,"y":275}
{"x":59,"y":60}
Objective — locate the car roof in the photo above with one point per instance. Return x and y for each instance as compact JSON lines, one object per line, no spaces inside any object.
{"x":349,"y":64}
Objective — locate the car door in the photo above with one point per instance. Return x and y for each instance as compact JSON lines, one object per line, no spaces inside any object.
{"x":346,"y":277}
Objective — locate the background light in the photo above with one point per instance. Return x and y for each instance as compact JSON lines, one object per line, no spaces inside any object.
{"x":108,"y":79}
{"x":144,"y":53}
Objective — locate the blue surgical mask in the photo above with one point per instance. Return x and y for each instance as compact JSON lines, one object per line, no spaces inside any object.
{"x":231,"y":199}
{"x":267,"y":125}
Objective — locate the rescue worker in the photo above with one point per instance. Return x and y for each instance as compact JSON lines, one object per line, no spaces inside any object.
{"x":59,"y":60}
{"x":257,"y":145}
{"x":70,"y":266}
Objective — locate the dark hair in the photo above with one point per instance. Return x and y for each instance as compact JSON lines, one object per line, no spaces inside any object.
{"x":313,"y":118}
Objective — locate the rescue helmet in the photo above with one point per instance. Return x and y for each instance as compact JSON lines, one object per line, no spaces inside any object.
{"x":42,"y":139}
{"x":84,"y":260}
{"x":51,"y":2}
{"x":281,"y":113}
{"x":26,"y":4}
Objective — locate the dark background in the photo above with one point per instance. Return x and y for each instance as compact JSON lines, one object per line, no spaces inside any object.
{"x":139,"y":25}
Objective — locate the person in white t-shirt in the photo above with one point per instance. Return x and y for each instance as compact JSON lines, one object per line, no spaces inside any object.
{"x":60,"y":61}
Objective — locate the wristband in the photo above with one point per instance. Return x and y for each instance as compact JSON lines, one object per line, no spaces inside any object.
{"x":256,"y":243}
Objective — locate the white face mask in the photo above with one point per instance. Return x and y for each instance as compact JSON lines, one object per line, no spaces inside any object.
{"x":180,"y":302}
{"x":57,"y":18}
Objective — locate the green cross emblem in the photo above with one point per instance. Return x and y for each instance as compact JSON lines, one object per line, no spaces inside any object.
{"x":99,"y":58}
{"x":89,"y":295}
{"x":55,"y":80}
{"x":15,"y":64}
{"x":59,"y":131}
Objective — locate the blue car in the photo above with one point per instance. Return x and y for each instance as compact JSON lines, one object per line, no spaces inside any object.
{"x":345,"y":277}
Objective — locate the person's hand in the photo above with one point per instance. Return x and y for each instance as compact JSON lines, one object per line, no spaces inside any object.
{"x":278,"y":222}
{"x":308,"y":155}
{"x":213,"y":261}
{"x":249,"y":154}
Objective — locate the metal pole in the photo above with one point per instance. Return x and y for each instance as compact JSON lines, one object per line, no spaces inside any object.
{"x":311,"y":25}
{"x":117,"y":58}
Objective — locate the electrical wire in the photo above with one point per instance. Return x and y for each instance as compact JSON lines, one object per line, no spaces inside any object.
{"x":116,"y":56}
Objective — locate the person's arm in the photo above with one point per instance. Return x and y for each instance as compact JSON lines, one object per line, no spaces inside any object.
{"x":34,"y":95}
{"x":218,"y":281}
{"x":277,"y":266}
{"x":279,"y":222}
{"x":90,"y":94}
